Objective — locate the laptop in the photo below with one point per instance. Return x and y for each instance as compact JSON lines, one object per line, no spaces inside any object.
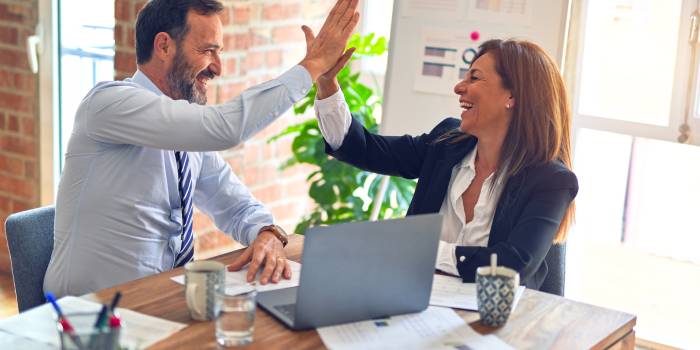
{"x":360,"y":271}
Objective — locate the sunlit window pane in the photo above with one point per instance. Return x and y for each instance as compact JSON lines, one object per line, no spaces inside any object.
{"x":629,"y":58}
{"x":87,"y":55}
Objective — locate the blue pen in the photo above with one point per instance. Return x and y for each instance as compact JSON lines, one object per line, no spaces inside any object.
{"x":67,"y":327}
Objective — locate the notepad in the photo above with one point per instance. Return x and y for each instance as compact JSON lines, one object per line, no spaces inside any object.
{"x":39,"y":324}
{"x":434,"y":328}
{"x":236,"y":282}
{"x":452,"y":292}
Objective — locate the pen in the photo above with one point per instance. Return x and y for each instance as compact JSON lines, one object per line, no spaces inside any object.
{"x":115,"y":301}
{"x":100,"y":317}
{"x":67,"y":327}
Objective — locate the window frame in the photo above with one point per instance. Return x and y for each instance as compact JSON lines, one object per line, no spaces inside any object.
{"x":572,"y":74}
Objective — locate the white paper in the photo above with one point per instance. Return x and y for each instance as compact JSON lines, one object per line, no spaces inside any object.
{"x":39,"y":324}
{"x":501,"y":11}
{"x":440,"y":9}
{"x":236,"y":281}
{"x":434,"y":328}
{"x":452,"y":292}
{"x":445,"y":57}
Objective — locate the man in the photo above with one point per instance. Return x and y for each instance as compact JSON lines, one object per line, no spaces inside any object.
{"x":142,"y":153}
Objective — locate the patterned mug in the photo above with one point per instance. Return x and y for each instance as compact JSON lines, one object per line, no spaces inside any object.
{"x":203,"y":279}
{"x":495,"y":294}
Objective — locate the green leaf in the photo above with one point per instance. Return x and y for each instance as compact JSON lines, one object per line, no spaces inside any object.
{"x":342,"y":192}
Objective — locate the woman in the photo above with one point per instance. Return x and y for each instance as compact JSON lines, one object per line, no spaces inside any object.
{"x":500,"y":176}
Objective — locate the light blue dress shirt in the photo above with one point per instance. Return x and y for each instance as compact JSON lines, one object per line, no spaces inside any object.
{"x":118,"y":214}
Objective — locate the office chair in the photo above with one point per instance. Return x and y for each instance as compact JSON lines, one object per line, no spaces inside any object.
{"x":30,"y":239}
{"x":556,"y":276}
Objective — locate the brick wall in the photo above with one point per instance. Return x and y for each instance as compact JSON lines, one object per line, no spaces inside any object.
{"x":262,"y":38}
{"x":18,"y":116}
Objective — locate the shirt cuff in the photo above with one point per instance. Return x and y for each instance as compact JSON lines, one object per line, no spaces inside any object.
{"x":298,"y":81}
{"x":334,"y":118}
{"x":446,"y":259}
{"x":253,"y":233}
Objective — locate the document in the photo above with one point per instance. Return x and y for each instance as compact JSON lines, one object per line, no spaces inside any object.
{"x":434,"y":328}
{"x":445,"y":56}
{"x":434,"y":9}
{"x":510,"y":12}
{"x":236,"y":281}
{"x":38,"y":325}
{"x":450,"y":291}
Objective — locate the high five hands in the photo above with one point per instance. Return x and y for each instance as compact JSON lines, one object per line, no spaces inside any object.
{"x":326,"y":52}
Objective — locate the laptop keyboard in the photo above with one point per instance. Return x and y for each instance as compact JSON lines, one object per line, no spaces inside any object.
{"x":287,"y":310}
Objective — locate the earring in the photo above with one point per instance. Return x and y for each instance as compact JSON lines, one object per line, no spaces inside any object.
{"x":508,"y":106}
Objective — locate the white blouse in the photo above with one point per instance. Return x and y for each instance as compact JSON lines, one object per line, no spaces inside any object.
{"x":334,"y":120}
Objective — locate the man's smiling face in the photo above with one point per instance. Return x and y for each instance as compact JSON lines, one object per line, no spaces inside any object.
{"x":197,"y":59}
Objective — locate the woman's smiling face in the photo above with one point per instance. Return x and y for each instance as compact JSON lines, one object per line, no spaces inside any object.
{"x":486,"y":104}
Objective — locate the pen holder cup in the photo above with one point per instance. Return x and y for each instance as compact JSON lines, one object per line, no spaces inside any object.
{"x":84,"y":335}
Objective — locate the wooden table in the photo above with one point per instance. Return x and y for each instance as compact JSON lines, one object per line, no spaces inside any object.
{"x":541,"y":320}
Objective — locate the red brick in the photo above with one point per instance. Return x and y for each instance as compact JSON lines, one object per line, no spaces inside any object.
{"x":277,"y":12}
{"x":11,"y":165}
{"x":201,"y":222}
{"x":125,"y":62}
{"x":12,"y":123}
{"x":13,"y":144}
{"x":8,"y":35}
{"x":273,"y":58}
{"x":2,"y":122}
{"x":260,"y":36}
{"x":18,"y":187}
{"x":119,"y":34}
{"x":254,"y":60}
{"x":17,"y":102}
{"x":225,"y":16}
{"x":131,"y":37}
{"x":24,"y":82}
{"x":289,"y":211}
{"x":241,"y":14}
{"x":138,"y":5}
{"x":238,"y":41}
{"x":121,"y":10}
{"x":27,"y":124}
{"x":236,"y":164}
{"x":298,"y":188}
{"x":269,"y":194}
{"x":15,"y":13}
{"x":212,"y":242}
{"x":30,"y":169}
{"x":230,"y":65}
{"x":259,"y":174}
{"x":5,"y":206}
{"x":287,"y":34}
{"x":14,"y":58}
{"x":230,"y":91}
{"x":18,"y":206}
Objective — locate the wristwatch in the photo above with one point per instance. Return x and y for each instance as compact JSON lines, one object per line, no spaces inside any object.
{"x":278,"y":232}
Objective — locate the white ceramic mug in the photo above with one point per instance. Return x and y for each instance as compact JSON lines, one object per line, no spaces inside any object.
{"x":203,"y":279}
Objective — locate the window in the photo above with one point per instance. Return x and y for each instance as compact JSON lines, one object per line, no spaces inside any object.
{"x":86,"y":51}
{"x":633,"y":245}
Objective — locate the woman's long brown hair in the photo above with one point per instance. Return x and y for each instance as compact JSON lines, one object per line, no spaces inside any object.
{"x":540,"y":128}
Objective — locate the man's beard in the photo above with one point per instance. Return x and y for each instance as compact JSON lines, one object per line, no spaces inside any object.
{"x":181,"y":83}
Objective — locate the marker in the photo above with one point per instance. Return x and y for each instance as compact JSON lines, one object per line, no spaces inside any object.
{"x":67,"y":327}
{"x":115,"y":301}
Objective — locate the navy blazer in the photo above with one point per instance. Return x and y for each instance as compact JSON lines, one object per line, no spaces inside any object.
{"x":528,"y":214}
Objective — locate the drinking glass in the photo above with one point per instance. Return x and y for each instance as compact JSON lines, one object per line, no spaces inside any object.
{"x":235,"y":317}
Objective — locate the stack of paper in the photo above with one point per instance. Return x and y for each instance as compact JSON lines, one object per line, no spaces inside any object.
{"x":434,"y":328}
{"x":236,"y":281}
{"x":38,"y":326}
{"x":451,"y":292}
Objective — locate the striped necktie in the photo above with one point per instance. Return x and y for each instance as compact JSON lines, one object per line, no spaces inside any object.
{"x":184,"y":181}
